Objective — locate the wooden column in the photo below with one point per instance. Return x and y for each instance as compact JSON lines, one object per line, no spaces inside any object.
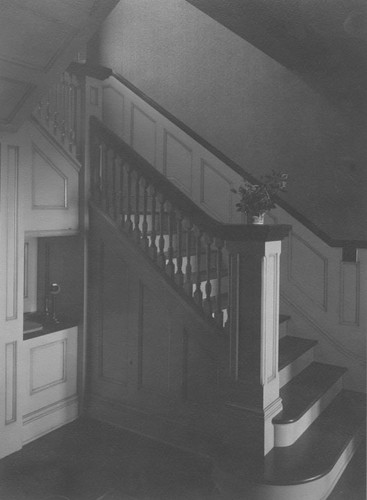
{"x":254,"y":324}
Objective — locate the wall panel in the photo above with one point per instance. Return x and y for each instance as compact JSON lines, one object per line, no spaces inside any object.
{"x":114,"y":328}
{"x":178,"y":162}
{"x":308,"y":269}
{"x":113,"y":110}
{"x":349,"y":293}
{"x":143,"y":134}
{"x":215,"y":192}
{"x":155,"y":342}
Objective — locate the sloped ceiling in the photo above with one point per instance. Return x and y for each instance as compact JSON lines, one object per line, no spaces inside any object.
{"x":38,"y":39}
{"x":323,"y":41}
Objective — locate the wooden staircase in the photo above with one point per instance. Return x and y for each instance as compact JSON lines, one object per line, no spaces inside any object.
{"x":318,"y":426}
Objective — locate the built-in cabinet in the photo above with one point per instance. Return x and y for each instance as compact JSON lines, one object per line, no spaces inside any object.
{"x":39,"y":198}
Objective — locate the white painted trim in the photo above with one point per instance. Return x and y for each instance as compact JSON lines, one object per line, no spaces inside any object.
{"x":45,"y":420}
{"x":288,"y":372}
{"x":287,"y":434}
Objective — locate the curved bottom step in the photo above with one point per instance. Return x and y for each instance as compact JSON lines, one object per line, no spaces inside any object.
{"x":308,"y":469}
{"x":317,"y":489}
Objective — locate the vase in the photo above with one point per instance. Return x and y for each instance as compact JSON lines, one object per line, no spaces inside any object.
{"x":256,"y":219}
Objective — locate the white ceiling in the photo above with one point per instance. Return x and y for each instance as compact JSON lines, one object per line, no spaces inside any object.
{"x":38,"y":39}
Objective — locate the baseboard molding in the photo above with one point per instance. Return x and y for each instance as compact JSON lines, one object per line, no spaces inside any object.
{"x":156,"y":427}
{"x":46,"y":419}
{"x":204,"y":430}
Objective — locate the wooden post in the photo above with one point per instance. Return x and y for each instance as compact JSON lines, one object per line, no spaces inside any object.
{"x":254,"y":324}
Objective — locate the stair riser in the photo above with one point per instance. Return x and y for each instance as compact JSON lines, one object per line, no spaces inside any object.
{"x":294,"y":368}
{"x":287,"y":434}
{"x":320,"y":488}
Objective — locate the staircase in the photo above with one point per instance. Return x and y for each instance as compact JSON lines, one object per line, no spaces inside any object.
{"x":313,"y":424}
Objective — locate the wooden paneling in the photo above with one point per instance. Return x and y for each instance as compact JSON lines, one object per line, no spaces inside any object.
{"x":51,"y":192}
{"x":308,"y":269}
{"x":12,"y":234}
{"x":10,"y":382}
{"x":143,"y":134}
{"x":215,"y":192}
{"x":200,"y":175}
{"x":113,"y":110}
{"x":349,"y":293}
{"x":114,"y":300}
{"x":157,"y":357}
{"x":155,"y":342}
{"x":50,"y":367}
{"x":178,"y":162}
{"x":49,"y":184}
{"x":50,"y":382}
{"x":47,"y":366}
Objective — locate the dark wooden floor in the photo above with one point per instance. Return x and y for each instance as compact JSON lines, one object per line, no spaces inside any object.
{"x":88,"y":460}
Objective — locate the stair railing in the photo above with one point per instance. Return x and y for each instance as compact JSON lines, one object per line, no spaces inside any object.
{"x":182,"y":240}
{"x":60,"y":113}
{"x":198,"y":254}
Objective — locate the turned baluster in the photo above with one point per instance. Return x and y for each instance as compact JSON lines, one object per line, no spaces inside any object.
{"x":179,"y":273}
{"x":161,"y":254}
{"x":218,"y":313}
{"x":137,"y":208}
{"x":198,"y":295}
{"x":144,"y":225}
{"x":170,"y":267}
{"x":153,"y":235}
{"x":208,"y":286}
{"x":188,"y":271}
{"x":129,"y":223}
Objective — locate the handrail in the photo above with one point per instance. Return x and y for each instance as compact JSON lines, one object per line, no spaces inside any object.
{"x":332,"y":242}
{"x":238,"y":232}
{"x":181,"y":239}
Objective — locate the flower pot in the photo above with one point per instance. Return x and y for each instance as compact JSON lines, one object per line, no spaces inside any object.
{"x":256,"y":219}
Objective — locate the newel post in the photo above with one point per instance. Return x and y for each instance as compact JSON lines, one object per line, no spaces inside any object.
{"x":254,"y":323}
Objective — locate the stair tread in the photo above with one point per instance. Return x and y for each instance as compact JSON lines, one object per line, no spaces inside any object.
{"x":291,"y":348}
{"x":315,"y":453}
{"x":305,"y":389}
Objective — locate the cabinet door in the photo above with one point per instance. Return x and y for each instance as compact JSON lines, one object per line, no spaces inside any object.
{"x":51,"y":178}
{"x":50,"y":382}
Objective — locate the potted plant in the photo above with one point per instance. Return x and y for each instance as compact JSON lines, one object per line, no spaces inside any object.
{"x":257,"y":199}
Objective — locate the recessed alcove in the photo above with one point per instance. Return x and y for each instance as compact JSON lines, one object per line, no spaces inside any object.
{"x":52,"y":264}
